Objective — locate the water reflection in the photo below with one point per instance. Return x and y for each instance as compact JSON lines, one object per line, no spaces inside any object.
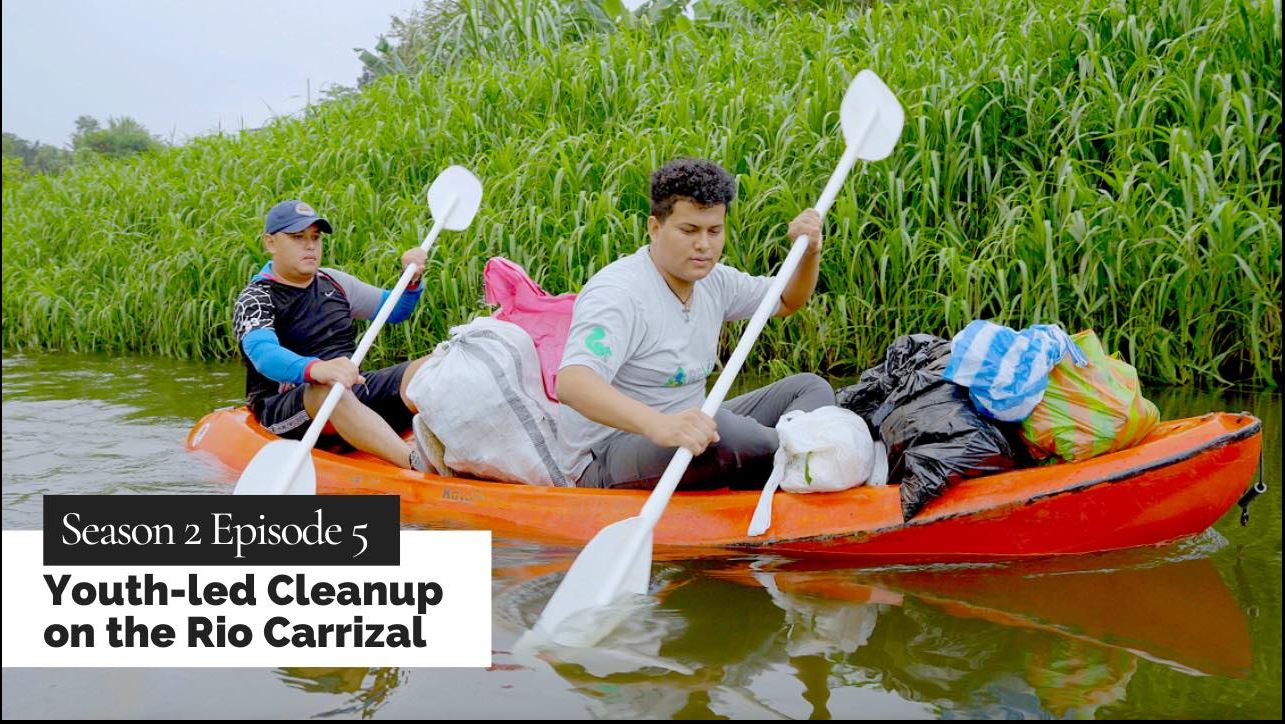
{"x":369,"y":687}
{"x":1053,"y":639}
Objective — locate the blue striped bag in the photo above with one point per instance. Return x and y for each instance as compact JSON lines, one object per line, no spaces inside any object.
{"x":1006,"y":372}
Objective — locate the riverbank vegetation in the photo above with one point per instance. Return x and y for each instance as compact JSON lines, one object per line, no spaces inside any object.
{"x":1114,"y":165}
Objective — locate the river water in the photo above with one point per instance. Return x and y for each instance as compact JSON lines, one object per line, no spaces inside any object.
{"x":1189,"y":630}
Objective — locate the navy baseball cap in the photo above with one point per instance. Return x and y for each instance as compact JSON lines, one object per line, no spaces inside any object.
{"x":292,"y":216}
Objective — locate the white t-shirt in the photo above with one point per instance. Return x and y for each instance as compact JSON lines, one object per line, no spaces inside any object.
{"x":630,"y":328}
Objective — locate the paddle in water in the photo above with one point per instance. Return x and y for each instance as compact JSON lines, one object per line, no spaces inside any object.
{"x":285,"y":466}
{"x":617,"y":561}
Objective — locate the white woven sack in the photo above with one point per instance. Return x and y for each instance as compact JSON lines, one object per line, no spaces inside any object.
{"x":481,"y":394}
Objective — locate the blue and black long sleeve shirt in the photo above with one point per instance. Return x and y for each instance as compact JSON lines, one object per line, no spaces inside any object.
{"x":283,"y":330}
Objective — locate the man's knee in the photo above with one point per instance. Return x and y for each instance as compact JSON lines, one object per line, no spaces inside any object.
{"x":403,"y":389}
{"x":810,"y":390}
{"x":315,"y":395}
{"x":807,"y":382}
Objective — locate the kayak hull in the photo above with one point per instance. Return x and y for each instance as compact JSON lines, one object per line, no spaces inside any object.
{"x":1178,"y":482}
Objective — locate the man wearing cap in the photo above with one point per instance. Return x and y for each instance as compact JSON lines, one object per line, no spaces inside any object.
{"x":294,"y":326}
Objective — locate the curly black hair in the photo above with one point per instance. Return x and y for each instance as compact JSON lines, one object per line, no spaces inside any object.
{"x":697,"y":180}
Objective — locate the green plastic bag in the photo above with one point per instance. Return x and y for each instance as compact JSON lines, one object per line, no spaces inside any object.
{"x":1089,"y":411}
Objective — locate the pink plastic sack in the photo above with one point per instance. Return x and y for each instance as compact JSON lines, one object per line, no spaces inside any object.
{"x":543,"y":316}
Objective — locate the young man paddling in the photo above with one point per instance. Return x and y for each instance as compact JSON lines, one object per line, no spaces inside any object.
{"x":644,"y":338}
{"x":293,"y":324}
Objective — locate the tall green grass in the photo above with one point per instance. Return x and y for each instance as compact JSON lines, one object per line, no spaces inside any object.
{"x":1111,"y":165}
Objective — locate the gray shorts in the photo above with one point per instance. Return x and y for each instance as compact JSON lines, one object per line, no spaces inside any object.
{"x":742,"y":457}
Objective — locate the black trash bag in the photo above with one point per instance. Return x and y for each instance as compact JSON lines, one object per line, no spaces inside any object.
{"x":934,"y":436}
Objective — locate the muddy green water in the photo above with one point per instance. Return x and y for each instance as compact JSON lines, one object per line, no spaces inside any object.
{"x":1190,"y":630}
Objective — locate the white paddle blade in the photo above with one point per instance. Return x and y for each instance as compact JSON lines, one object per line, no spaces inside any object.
{"x":266,"y":472}
{"x":587,"y":584}
{"x":456,"y":184}
{"x":869,"y":103}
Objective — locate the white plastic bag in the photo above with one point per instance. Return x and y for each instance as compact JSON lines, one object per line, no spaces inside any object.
{"x":825,"y":450}
{"x":817,"y":626}
{"x":481,"y":394}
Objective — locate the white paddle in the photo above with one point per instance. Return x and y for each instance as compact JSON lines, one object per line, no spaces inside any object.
{"x":285,"y":466}
{"x":617,"y":561}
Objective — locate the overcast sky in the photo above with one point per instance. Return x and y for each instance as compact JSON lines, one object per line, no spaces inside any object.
{"x":180,"y":67}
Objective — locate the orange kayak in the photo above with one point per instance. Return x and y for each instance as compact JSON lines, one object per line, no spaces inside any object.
{"x":1176,"y":483}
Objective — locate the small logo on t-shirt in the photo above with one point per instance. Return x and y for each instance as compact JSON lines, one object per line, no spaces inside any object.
{"x":594,"y":344}
{"x":679,"y":377}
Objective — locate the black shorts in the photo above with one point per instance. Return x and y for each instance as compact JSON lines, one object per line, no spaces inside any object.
{"x":285,"y":416}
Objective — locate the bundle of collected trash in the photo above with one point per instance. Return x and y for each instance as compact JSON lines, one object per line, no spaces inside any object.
{"x":993,"y":399}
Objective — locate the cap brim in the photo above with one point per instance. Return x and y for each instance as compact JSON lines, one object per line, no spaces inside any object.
{"x":302,"y":224}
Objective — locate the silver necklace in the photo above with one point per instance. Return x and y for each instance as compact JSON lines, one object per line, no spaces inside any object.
{"x":687,"y":303}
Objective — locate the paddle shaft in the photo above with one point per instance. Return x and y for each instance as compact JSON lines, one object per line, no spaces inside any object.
{"x":367,"y":339}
